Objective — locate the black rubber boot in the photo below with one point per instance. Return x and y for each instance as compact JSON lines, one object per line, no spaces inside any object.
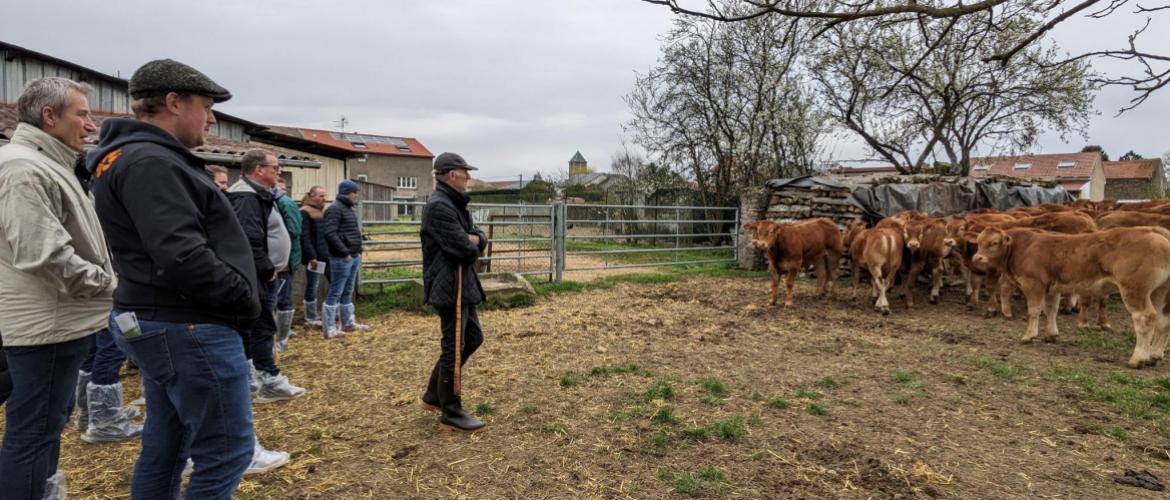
{"x":453,"y":417}
{"x":430,"y":399}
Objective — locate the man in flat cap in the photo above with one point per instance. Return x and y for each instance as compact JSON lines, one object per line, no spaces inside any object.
{"x":451,"y":246}
{"x":186,"y":283}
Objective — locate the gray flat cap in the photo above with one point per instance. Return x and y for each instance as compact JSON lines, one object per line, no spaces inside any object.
{"x":451,"y":161}
{"x":165,"y":75}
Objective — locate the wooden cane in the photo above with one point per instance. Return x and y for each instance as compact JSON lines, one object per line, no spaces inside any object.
{"x":458,"y":327}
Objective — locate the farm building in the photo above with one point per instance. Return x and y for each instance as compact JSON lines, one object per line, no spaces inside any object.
{"x":1134,"y":180}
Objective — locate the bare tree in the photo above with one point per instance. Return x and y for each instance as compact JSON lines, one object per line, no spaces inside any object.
{"x":1151,"y":69}
{"x":725,"y":104}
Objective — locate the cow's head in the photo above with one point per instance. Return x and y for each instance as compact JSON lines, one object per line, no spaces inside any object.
{"x":912,"y":233}
{"x":994,"y":246}
{"x":851,"y":231}
{"x":761,"y":232}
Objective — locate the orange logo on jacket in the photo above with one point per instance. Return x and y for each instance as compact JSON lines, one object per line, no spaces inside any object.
{"x":107,"y":162}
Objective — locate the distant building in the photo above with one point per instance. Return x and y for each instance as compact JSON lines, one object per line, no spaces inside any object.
{"x":578,"y":165}
{"x":1134,"y":180}
{"x":1081,"y":174}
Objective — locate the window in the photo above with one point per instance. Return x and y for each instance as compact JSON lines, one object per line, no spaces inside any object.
{"x":982,"y":166}
{"x":1066,"y":164}
{"x":408,"y":182}
{"x":1022,"y":166}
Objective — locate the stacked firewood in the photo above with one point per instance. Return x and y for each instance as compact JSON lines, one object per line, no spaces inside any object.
{"x":795,"y":203}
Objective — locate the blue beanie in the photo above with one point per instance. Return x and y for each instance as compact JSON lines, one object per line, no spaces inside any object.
{"x":347,"y":186}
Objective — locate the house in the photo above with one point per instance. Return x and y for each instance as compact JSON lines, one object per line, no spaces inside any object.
{"x":227,"y":140}
{"x":1134,"y":180}
{"x":1081,"y":174}
{"x":402,"y":163}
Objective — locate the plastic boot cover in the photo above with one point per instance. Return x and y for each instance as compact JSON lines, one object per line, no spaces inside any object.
{"x":283,"y":329}
{"x":265,"y":460}
{"x":329,"y":326}
{"x":276,"y":388}
{"x":56,"y":488}
{"x":107,"y":419}
{"x":312,"y":317}
{"x":83,"y":379}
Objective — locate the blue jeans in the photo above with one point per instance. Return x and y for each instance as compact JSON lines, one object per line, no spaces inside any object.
{"x":44,"y":380}
{"x":199,"y":406}
{"x":342,"y":278}
{"x":105,"y":359}
{"x":284,"y":281}
{"x":312,"y":282}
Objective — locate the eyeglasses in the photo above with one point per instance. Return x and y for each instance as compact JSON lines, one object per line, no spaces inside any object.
{"x":274,"y":167}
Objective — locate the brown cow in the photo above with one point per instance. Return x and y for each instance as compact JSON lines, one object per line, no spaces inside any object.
{"x":790,"y":248}
{"x":1132,"y":219}
{"x":929,"y":244}
{"x":879,"y":250}
{"x":1135,"y":260}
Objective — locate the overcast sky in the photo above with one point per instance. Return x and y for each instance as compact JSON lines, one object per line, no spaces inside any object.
{"x":516,"y":86}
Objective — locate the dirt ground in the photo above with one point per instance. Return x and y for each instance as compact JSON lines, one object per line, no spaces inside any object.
{"x":729,"y":398}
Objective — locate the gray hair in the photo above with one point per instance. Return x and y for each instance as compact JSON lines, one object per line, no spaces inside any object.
{"x":52,"y":92}
{"x":252,"y":159}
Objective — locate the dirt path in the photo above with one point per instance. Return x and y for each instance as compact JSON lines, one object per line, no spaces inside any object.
{"x":826,"y":400}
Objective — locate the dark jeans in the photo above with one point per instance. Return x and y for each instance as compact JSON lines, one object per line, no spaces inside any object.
{"x":342,"y":278}
{"x":312,"y":282}
{"x":44,"y":380}
{"x":104,"y":360}
{"x":284,"y":281}
{"x":5,"y":377}
{"x":199,"y":406}
{"x":472,"y":338}
{"x":258,"y":339}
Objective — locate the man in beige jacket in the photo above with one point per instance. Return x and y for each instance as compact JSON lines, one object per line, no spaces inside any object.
{"x":56,"y":280}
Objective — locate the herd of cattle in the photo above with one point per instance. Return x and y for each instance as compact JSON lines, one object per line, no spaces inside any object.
{"x":1086,"y":251}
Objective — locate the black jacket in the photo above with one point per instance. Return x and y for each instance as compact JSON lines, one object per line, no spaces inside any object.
{"x":179,"y":252}
{"x":342,"y":233}
{"x":252,"y":210}
{"x":445,"y":226}
{"x":313,"y":245}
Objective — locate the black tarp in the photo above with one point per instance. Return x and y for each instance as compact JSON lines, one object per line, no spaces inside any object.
{"x":935,"y":198}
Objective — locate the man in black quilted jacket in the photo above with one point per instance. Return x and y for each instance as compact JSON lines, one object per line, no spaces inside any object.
{"x":451,"y":245}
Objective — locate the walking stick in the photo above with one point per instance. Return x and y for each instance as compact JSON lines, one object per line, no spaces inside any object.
{"x":458,"y":327}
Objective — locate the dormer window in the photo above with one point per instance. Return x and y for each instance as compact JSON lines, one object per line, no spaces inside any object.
{"x":1066,"y":164}
{"x":982,"y":166}
{"x":1022,"y":166}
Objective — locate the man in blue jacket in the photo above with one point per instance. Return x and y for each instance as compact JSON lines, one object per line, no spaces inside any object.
{"x":186,"y":283}
{"x":451,"y":245}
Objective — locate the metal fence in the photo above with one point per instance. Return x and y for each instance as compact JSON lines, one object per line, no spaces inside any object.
{"x":553,"y":239}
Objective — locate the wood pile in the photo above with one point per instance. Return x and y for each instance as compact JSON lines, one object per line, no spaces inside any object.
{"x":794,"y":203}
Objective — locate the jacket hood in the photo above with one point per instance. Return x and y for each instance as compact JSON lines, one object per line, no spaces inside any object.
{"x":118,"y":132}
{"x":245,"y":185}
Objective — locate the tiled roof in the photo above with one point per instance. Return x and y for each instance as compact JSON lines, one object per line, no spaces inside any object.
{"x":1073,"y":186}
{"x":1131,"y":169}
{"x":1052,"y":166}
{"x":215,"y":145}
{"x":374,"y":144}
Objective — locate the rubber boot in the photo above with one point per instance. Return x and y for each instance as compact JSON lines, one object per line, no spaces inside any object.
{"x":312,"y":317}
{"x":453,"y":418}
{"x":283,"y":329}
{"x":83,"y":378}
{"x":430,"y":398}
{"x":107,"y":419}
{"x":329,"y":326}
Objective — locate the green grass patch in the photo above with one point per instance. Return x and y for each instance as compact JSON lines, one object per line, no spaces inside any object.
{"x":484,"y":408}
{"x":553,"y":428}
{"x":695,"y":434}
{"x":803,"y":393}
{"x":1117,"y":433}
{"x":529,"y":410}
{"x":714,"y":387}
{"x":571,"y":378}
{"x":664,"y":415}
{"x":904,"y":377}
{"x":1132,"y":396}
{"x":712,"y":474}
{"x":605,"y":371}
{"x":777,"y":404}
{"x":816,"y":409}
{"x":756,"y":396}
{"x":729,"y":429}
{"x":685,"y":484}
{"x":1000,"y":369}
{"x":1102,"y":340}
{"x":660,"y":389}
{"x":829,"y":383}
{"x":660,"y":439}
{"x":713,"y":401}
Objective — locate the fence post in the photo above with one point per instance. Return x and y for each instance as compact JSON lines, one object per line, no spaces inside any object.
{"x":560,"y":213}
{"x":361,"y":213}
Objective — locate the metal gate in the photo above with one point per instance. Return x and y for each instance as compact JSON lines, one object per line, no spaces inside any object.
{"x":551,"y":240}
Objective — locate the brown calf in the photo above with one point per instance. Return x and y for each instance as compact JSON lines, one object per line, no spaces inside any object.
{"x":1044,"y":265}
{"x":789,"y":248}
{"x":879,"y":250}
{"x":929,"y":244}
